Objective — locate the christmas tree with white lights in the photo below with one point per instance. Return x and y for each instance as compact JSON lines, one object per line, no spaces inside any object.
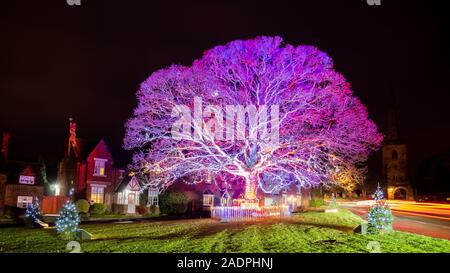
{"x":380,"y":216}
{"x":33,"y":213}
{"x":68,"y":220}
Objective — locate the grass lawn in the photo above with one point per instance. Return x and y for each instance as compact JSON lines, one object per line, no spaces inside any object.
{"x":303,"y":232}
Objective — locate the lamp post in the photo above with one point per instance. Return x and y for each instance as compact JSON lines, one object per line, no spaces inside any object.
{"x":57,"y":189}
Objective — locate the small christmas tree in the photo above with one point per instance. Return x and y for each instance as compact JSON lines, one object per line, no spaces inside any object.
{"x":68,"y":220}
{"x":380,"y":216}
{"x":33,"y":213}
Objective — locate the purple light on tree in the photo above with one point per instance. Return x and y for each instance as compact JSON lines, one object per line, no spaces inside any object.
{"x":323,"y":128}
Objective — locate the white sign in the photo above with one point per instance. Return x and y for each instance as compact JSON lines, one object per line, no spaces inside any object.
{"x":24,"y":179}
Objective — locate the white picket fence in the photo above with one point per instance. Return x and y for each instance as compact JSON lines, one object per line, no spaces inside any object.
{"x":237,"y":213}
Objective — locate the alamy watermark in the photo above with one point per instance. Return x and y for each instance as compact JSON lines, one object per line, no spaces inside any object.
{"x":73,"y":2}
{"x":231,"y":123}
{"x":374,"y":2}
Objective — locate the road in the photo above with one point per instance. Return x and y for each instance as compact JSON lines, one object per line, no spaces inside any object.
{"x":428,"y":219}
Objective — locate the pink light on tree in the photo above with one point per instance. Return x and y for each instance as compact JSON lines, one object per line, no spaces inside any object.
{"x":295,"y":95}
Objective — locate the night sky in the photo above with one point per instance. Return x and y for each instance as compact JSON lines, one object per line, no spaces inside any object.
{"x":60,"y":61}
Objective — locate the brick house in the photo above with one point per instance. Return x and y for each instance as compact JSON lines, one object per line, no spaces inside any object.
{"x":20,"y":181}
{"x":88,"y":168}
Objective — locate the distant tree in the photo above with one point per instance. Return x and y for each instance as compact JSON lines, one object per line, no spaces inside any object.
{"x":43,"y":172}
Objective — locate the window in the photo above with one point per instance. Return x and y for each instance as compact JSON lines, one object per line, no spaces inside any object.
{"x":99,"y":168}
{"x":121,"y":198}
{"x":208,"y":200}
{"x":97,"y":194}
{"x":224,"y":201}
{"x":24,"y":201}
{"x":25,"y":179}
{"x":394,"y":154}
{"x":153,"y":197}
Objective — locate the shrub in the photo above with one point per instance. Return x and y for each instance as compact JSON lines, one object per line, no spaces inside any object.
{"x":141,"y":210}
{"x":154,"y":210}
{"x":85,"y":215}
{"x":143,"y":198}
{"x":316,"y":202}
{"x":173,"y":202}
{"x":98,"y":209}
{"x":82,"y":206}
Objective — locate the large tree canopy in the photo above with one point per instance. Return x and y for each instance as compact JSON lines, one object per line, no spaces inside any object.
{"x":317,"y":128}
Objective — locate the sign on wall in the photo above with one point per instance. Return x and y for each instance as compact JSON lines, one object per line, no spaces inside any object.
{"x":25,"y":179}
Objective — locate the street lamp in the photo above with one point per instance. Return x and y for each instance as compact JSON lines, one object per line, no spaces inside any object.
{"x":56,"y":188}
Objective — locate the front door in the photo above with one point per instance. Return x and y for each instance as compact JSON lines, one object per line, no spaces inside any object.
{"x":131,"y":202}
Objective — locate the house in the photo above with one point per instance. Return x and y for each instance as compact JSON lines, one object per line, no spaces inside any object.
{"x":88,"y":168}
{"x":126,"y":197}
{"x":20,"y":181}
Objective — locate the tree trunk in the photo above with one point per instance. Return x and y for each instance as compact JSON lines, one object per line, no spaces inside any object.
{"x":251,"y":184}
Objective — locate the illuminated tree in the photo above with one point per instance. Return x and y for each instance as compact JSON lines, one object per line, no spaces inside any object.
{"x":349,"y":177}
{"x":68,"y":219}
{"x":379,"y":217}
{"x":309,"y":126}
{"x":33,"y":213}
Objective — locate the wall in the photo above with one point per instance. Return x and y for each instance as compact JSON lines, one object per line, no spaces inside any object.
{"x":2,"y":193}
{"x":13,"y":190}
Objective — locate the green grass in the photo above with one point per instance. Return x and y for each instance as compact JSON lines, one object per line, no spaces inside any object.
{"x":303,"y":232}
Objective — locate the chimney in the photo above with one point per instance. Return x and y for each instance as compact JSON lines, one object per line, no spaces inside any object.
{"x":5,"y":145}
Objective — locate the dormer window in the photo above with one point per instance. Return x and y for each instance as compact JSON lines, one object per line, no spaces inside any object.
{"x":99,"y":167}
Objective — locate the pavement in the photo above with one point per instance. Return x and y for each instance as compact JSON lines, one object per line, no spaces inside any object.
{"x":429,"y":219}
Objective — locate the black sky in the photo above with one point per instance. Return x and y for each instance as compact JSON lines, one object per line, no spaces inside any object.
{"x":86,"y":62}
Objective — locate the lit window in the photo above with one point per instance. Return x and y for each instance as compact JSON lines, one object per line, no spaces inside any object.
{"x":153,"y":197}
{"x":24,"y":201}
{"x":97,"y":194}
{"x":208,"y":200}
{"x":25,"y":179}
{"x":224,"y":201}
{"x":99,"y":168}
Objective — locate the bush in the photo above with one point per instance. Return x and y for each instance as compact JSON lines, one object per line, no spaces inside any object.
{"x":154,"y":210}
{"x":173,"y":203}
{"x":98,"y":209}
{"x":85,"y":215}
{"x":82,"y":206}
{"x":142,"y":210}
{"x":143,"y":198}
{"x":317,"y":203}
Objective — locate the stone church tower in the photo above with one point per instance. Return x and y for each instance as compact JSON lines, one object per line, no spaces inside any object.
{"x":394,"y":160}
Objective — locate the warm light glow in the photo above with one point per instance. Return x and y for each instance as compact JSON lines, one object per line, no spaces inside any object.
{"x":57,"y":189}
{"x":429,"y":210}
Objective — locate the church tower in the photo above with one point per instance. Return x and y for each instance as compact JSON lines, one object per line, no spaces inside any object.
{"x":394,"y":160}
